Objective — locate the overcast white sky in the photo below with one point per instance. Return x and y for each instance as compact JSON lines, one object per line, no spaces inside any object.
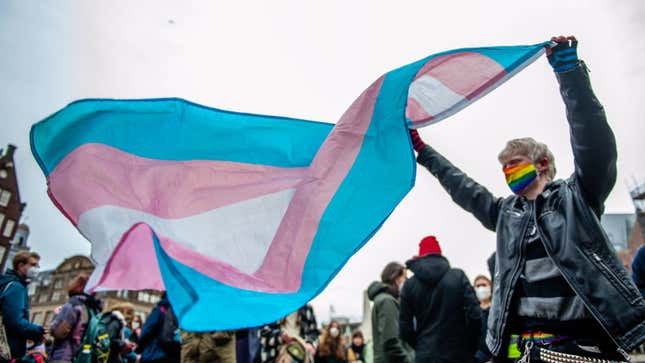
{"x":311,"y":60}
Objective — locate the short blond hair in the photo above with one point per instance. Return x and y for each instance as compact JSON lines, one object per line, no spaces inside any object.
{"x":527,"y":146}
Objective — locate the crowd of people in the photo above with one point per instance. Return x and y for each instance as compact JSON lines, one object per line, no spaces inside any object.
{"x":557,"y":291}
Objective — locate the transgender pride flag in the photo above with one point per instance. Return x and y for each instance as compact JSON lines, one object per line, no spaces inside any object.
{"x":244,"y":218}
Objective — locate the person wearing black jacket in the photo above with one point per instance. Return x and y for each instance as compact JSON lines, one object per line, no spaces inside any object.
{"x":559,"y":288}
{"x":115,"y":323}
{"x":440,"y":316}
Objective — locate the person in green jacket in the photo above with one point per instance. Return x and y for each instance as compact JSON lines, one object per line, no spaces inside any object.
{"x":387,"y":344}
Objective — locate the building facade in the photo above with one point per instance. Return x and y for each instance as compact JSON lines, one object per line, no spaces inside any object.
{"x":11,"y":206}
{"x":49,"y":291}
{"x":18,"y":244}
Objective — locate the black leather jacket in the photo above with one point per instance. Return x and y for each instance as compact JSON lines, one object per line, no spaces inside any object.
{"x":567,"y":215}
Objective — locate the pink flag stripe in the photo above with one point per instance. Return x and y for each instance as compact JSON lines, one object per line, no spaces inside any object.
{"x":450,"y":69}
{"x":415,"y":111}
{"x":238,"y":234}
{"x":94,"y":175}
{"x":325,"y":175}
{"x":138,"y":242}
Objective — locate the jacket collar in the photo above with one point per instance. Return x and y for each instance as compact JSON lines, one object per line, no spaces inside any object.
{"x":14,"y":275}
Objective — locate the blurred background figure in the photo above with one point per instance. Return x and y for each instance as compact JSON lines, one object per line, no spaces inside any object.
{"x":331,"y":349}
{"x":115,"y":323}
{"x":387,"y":344}
{"x":208,"y":347}
{"x":483,"y":290}
{"x":156,"y":341}
{"x":300,"y":324}
{"x":638,"y":270}
{"x":440,"y":315}
{"x":70,"y":322}
{"x":355,"y":352}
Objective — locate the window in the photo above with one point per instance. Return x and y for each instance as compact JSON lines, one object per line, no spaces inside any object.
{"x":154,"y":299}
{"x":144,"y":296}
{"x":8,"y":228}
{"x":48,"y":318}
{"x":56,"y":296}
{"x":43,"y":297}
{"x":3,"y":173}
{"x":58,"y":284}
{"x":5,"y":196}
{"x":1,"y":219}
{"x":37,"y":318}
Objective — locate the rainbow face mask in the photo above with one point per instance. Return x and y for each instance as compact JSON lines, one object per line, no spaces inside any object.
{"x":520,"y":176}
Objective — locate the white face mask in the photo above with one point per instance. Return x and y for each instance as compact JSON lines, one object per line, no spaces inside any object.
{"x":482,"y":292}
{"x":333,"y":331}
{"x":135,"y":325}
{"x":32,"y":272}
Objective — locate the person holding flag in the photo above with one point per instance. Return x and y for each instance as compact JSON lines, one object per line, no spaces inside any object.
{"x":560,"y":293}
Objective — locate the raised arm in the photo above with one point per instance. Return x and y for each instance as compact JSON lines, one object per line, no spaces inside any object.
{"x":592,"y":141}
{"x":464,"y":191}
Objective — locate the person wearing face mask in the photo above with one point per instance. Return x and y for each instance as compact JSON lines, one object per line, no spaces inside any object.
{"x":483,"y":291}
{"x":331,"y":349}
{"x":14,"y":303}
{"x":387,"y":344}
{"x":135,"y":327}
{"x":560,"y":290}
{"x":440,"y":316}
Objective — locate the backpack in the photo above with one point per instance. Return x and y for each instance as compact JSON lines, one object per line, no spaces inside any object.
{"x":169,"y":336}
{"x":96,"y":343}
{"x":5,"y":350}
{"x":294,"y":352}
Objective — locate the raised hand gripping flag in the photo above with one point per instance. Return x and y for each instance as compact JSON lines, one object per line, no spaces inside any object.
{"x":244,"y":218}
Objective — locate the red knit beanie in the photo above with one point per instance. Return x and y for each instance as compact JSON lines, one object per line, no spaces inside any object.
{"x":429,"y":245}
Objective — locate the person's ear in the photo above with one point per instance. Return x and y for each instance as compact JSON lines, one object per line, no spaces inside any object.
{"x":542,"y":165}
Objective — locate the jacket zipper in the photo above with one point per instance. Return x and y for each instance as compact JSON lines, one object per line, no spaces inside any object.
{"x":618,"y":348}
{"x":618,"y":280}
{"x":506,"y":303}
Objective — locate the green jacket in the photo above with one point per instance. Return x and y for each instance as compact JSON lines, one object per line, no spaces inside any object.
{"x":388,"y":346}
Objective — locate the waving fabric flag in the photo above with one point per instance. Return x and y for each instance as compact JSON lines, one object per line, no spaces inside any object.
{"x":244,"y":218}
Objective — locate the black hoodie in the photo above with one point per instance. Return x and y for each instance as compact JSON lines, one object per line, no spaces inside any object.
{"x":446,"y":311}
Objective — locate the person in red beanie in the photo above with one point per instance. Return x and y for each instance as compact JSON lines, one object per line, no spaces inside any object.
{"x":440,"y":315}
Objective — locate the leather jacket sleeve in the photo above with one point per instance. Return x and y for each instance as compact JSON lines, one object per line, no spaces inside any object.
{"x":593,"y":142}
{"x":464,"y":191}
